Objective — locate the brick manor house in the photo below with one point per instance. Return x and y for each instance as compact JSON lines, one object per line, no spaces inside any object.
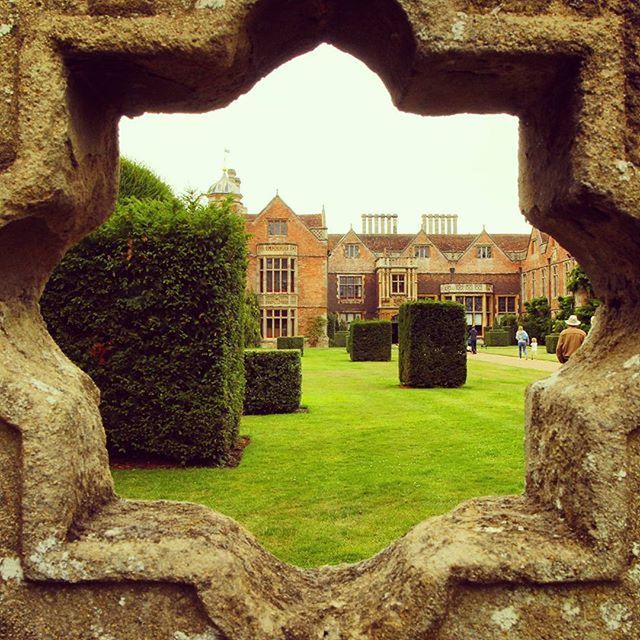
{"x":300,"y":271}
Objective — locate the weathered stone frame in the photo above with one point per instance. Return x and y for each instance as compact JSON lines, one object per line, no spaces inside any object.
{"x":572,"y":78}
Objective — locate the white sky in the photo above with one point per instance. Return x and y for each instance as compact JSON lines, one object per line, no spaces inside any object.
{"x":322,"y":130}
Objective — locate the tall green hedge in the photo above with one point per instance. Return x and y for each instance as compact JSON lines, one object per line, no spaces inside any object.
{"x":291,"y":342}
{"x":551,"y":342}
{"x":340,"y":338}
{"x":497,"y":338}
{"x":274,"y":381}
{"x":370,"y":340}
{"x":150,"y":306}
{"x":432,"y":344}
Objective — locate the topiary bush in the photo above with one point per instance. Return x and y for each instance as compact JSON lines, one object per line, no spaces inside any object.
{"x":509,"y":322}
{"x":497,"y":338}
{"x":340,"y":338}
{"x":251,"y":320}
{"x":370,"y":340}
{"x":140,"y":182}
{"x":432,"y":344}
{"x":291,"y":342}
{"x":551,"y":342}
{"x":273,"y":381}
{"x":150,"y":306}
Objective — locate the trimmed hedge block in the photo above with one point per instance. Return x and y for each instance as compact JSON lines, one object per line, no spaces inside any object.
{"x":273,"y":381}
{"x":370,"y":340}
{"x":150,"y":305}
{"x":551,"y":342}
{"x":340,"y":338}
{"x":497,"y":338}
{"x":291,"y":342}
{"x":432,"y":344}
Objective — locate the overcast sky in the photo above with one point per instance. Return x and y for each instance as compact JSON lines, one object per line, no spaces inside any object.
{"x":321,"y":129}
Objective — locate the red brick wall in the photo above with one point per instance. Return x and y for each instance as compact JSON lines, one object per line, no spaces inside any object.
{"x":311,"y":286}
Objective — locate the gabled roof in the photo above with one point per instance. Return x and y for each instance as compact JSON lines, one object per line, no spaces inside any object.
{"x":391,"y":242}
{"x":312,"y":221}
{"x":453,"y":245}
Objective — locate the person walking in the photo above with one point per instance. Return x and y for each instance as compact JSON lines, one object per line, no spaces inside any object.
{"x":523,"y":340}
{"x":473,"y":340}
{"x":570,"y":339}
{"x":533,"y":348}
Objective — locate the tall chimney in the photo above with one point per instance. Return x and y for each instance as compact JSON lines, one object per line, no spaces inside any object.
{"x":455,"y":224}
{"x":395,"y":223}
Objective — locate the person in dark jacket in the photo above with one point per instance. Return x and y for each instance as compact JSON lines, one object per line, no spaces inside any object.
{"x":473,"y":339}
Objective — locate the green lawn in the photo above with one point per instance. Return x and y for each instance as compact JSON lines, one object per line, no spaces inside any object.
{"x":367,"y":462}
{"x":512,"y":352}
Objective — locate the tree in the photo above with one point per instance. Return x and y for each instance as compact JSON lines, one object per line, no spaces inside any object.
{"x":537,"y":319}
{"x":317,"y":330}
{"x":579,"y":281}
{"x":332,"y":324}
{"x":251,"y":320}
{"x":140,"y":182}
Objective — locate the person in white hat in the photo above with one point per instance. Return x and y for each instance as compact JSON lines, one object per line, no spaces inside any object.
{"x":570,"y":339}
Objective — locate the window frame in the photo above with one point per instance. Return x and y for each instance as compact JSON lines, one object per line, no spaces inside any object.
{"x":357,"y":284}
{"x":276,"y":226}
{"x":395,"y":280}
{"x":351,"y":248}
{"x":270,"y":275}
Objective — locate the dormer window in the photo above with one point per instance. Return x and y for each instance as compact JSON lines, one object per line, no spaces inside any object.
{"x":277,"y":227}
{"x":484,"y":251}
{"x":421,"y":251}
{"x":352,"y":250}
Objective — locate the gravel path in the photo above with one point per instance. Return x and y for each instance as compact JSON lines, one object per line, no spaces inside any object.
{"x":541,"y":365}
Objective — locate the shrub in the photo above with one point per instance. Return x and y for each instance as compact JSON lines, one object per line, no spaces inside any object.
{"x":332,"y":324}
{"x":497,"y":338}
{"x":340,"y":338}
{"x":370,"y":340}
{"x":537,"y":320}
{"x":316,"y":331}
{"x":140,"y":182}
{"x":551,"y":342}
{"x":509,"y":322}
{"x":150,"y":306}
{"x":586,"y":312}
{"x":432,"y":344}
{"x":291,"y":342}
{"x":251,"y":320}
{"x":273,"y":381}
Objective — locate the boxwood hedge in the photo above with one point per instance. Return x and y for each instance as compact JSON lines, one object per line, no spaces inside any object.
{"x":497,"y":338}
{"x":370,"y":340}
{"x":273,"y":381}
{"x":291,"y":342}
{"x":551,"y":342}
{"x":432,"y":350}
{"x":150,"y":306}
{"x":340,"y":338}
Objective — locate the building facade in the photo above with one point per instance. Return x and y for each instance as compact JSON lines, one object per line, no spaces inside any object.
{"x":300,"y":272}
{"x":372,"y":274}
{"x":546,"y":269}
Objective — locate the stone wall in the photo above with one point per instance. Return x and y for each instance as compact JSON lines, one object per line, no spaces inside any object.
{"x":560,"y":561}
